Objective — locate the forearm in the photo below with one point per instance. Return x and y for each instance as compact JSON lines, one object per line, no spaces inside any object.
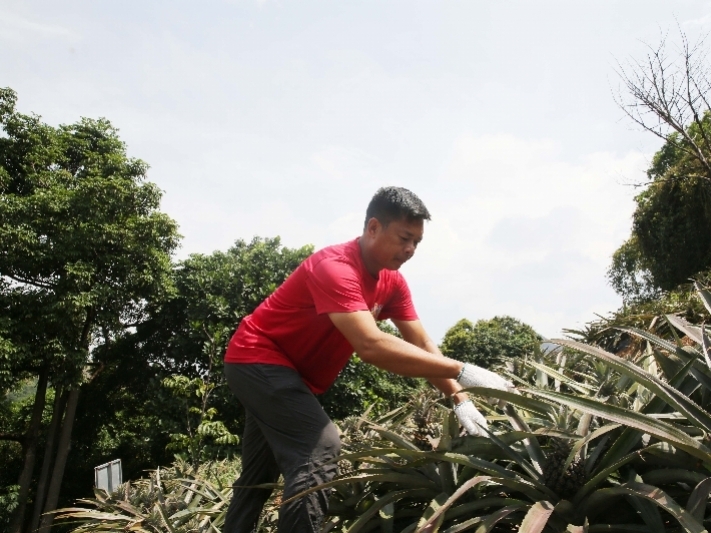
{"x":400,"y":357}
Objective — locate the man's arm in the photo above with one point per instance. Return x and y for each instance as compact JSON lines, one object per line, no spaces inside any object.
{"x":396,"y":355}
{"x":419,"y":357}
{"x":414,"y":333}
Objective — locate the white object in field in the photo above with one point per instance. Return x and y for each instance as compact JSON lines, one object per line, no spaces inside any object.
{"x":108,"y":476}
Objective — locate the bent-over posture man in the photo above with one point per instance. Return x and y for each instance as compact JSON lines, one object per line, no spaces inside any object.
{"x":297,"y":341}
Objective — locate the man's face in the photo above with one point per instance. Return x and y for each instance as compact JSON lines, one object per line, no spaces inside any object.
{"x":391,"y":246}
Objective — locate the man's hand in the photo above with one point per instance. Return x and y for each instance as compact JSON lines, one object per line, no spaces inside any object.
{"x":475,"y":376}
{"x":473,"y":421}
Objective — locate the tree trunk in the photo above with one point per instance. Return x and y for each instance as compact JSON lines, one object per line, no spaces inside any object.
{"x":60,"y":461}
{"x":55,"y":426}
{"x":30,"y":449}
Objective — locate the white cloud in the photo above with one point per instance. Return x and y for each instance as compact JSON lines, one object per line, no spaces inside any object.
{"x":13,"y":27}
{"x":526,"y":234}
{"x":700,"y":21}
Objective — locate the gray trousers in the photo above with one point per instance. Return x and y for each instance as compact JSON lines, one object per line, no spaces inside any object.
{"x":287,"y":432}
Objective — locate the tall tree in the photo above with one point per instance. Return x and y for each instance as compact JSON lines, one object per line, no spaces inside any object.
{"x":191,"y":331}
{"x":83,"y":248}
{"x":668,"y":94}
{"x":127,"y":412}
{"x":489,"y":342}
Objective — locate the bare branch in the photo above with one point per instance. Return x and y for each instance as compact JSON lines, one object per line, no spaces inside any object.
{"x":666,"y":94}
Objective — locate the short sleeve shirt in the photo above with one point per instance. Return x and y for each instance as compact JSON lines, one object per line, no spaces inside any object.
{"x":292,"y":327}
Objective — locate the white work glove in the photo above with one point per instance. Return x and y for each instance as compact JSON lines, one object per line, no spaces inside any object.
{"x":475,"y":376}
{"x":473,"y":421}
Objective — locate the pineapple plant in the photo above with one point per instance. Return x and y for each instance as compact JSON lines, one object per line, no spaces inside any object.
{"x":595,"y":442}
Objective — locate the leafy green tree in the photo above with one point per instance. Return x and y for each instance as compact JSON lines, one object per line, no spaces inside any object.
{"x":671,"y":230}
{"x":128,"y":412}
{"x":630,"y":276}
{"x":670,"y":241}
{"x":84,"y":247}
{"x":143,"y":407}
{"x":187,"y":335}
{"x":489,"y":342}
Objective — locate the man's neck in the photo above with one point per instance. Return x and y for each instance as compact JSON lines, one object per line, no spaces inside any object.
{"x":372,"y":269}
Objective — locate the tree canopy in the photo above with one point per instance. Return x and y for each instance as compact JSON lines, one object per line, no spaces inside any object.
{"x":671,"y":229}
{"x":83,"y":247}
{"x":670,"y":241}
{"x":489,"y":342}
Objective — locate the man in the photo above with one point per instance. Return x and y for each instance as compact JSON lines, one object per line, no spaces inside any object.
{"x":297,"y":341}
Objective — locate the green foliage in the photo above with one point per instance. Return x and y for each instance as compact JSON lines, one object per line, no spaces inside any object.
{"x":84,"y":248}
{"x":203,"y":434}
{"x":128,"y":412}
{"x":629,"y":276}
{"x":362,"y":387}
{"x":672,"y":224}
{"x":489,"y":342}
{"x":601,"y":431}
{"x":15,"y":412}
{"x":83,"y":242}
{"x":8,"y":503}
{"x":212,"y":294}
{"x":671,"y":231}
{"x":610,"y":332}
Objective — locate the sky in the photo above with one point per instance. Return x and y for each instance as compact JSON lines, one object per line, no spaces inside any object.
{"x":265,"y":118}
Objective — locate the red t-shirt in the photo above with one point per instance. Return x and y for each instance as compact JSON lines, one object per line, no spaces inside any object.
{"x":292,"y":328}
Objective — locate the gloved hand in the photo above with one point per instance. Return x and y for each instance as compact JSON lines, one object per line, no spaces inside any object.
{"x":475,"y":376}
{"x":473,"y":421}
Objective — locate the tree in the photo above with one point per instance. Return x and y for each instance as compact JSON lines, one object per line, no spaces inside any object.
{"x":489,"y":342}
{"x":143,"y":406}
{"x":670,"y":95}
{"x":188,"y":333}
{"x":671,"y":233}
{"x":83,"y":247}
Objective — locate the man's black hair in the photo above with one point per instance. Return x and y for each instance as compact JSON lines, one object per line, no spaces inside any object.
{"x":395,"y":203}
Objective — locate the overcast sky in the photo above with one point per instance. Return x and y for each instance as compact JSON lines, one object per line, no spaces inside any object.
{"x":265,"y":118}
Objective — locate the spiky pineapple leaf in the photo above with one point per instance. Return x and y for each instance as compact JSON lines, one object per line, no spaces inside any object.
{"x":691,"y":331}
{"x":387,"y":517}
{"x":665,"y":476}
{"x":644,"y":423}
{"x":375,"y":509}
{"x":696,"y":505}
{"x":437,"y":515}
{"x":495,"y":517}
{"x":585,"y":440}
{"x":654,"y":339}
{"x":706,"y":346}
{"x":531,"y":444}
{"x":537,"y":517}
{"x":695,"y":414}
{"x":413,"y":480}
{"x":582,"y":388}
{"x":513,"y":398}
{"x":657,"y":496}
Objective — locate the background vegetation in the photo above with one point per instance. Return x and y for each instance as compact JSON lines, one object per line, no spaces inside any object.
{"x":109,"y":348}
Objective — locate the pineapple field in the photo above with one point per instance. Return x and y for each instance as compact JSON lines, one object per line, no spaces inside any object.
{"x":608,"y":433}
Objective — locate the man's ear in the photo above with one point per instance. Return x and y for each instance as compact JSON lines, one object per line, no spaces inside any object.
{"x":372,"y":227}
